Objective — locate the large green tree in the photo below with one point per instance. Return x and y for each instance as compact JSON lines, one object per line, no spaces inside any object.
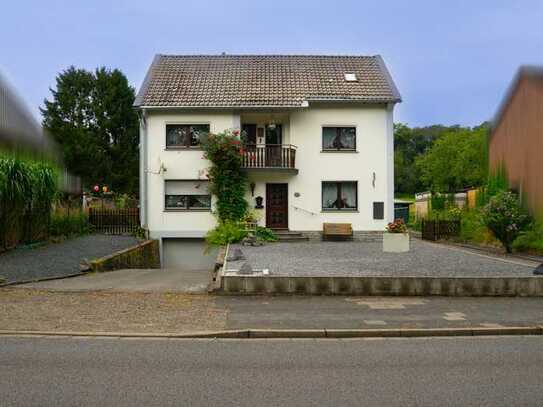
{"x":410,"y":143}
{"x":91,"y":117}
{"x":458,"y":159}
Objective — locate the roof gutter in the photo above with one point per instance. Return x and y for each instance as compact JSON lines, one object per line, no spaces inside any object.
{"x":259,"y":107}
{"x":303,"y":105}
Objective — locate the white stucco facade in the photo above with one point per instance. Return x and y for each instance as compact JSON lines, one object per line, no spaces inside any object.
{"x":371,"y":166}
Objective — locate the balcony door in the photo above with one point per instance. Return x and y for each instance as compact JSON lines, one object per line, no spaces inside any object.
{"x":274,"y":139}
{"x":274,"y":134}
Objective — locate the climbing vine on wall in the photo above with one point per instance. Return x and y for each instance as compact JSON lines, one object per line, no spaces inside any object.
{"x":227,"y":181}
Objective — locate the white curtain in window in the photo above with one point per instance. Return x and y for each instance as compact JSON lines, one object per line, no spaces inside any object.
{"x":348,"y":137}
{"x":329,"y":195}
{"x":328,"y":136}
{"x":348,"y":194}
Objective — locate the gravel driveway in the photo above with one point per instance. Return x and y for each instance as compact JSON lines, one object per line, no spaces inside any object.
{"x":368,"y":259}
{"x":59,"y":259}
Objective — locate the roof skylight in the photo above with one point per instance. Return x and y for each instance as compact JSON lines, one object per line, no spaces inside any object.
{"x":350,"y":77}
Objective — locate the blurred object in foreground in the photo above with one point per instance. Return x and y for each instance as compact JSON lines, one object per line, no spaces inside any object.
{"x":516,"y":140}
{"x":70,"y":184}
{"x":18,"y":128}
{"x":22,"y":135}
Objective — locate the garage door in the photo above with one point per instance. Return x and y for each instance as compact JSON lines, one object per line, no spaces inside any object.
{"x":187,"y":254}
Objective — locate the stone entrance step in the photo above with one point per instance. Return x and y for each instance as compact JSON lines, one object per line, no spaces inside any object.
{"x":290,"y":236}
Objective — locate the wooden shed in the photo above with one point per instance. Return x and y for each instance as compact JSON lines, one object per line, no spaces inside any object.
{"x":516,"y":140}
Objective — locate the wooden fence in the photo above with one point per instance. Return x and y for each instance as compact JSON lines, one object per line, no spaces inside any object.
{"x":115,"y":221}
{"x":440,"y":229}
{"x":28,"y":226}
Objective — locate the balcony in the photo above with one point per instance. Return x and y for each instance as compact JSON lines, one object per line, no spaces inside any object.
{"x":270,"y":157}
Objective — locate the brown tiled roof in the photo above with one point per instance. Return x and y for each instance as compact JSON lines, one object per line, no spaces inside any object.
{"x":263,"y":80}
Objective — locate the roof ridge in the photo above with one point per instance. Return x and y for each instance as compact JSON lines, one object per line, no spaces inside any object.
{"x":268,"y":55}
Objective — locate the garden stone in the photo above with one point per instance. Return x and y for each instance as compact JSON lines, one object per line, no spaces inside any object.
{"x":251,"y":240}
{"x":245,"y":269}
{"x":539,"y":270}
{"x":236,"y":255}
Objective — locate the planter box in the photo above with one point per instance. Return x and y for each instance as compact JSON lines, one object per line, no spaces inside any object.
{"x":395,"y":242}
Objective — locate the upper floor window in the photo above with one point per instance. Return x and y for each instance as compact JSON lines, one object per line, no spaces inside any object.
{"x":185,"y":135}
{"x":338,"y":138}
{"x":187,"y":195}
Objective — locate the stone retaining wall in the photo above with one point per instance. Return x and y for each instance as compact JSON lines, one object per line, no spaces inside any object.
{"x":145,"y":255}
{"x":386,"y":286}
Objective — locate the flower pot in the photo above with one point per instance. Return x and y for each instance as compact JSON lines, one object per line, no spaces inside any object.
{"x":396,"y":242}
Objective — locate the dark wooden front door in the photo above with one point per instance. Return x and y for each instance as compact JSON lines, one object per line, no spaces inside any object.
{"x":277,"y":206}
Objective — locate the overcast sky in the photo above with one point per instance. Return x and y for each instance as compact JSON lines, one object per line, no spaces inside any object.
{"x":451,"y":60}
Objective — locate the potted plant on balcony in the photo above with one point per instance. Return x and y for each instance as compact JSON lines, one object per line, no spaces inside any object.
{"x":396,"y":237}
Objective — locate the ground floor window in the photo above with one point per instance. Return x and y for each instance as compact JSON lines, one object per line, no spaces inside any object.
{"x":187,"y":195}
{"x":339,"y":195}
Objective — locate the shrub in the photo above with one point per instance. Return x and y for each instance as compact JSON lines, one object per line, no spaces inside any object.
{"x":454,"y":213}
{"x":437,"y":201}
{"x":398,"y":226}
{"x":497,"y":182}
{"x":530,"y":240}
{"x":415,"y":223}
{"x":265,"y":234}
{"x":68,"y":224}
{"x":505,"y":217}
{"x":226,"y":232}
{"x":474,"y":230}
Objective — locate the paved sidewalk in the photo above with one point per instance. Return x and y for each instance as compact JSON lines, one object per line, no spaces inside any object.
{"x":306,"y":312}
{"x":135,"y":280}
{"x":138,"y":312}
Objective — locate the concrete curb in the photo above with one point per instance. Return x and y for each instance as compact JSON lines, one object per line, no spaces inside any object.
{"x":301,"y":333}
{"x":37,"y":280}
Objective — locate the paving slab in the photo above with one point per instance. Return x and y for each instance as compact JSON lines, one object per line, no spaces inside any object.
{"x":304,"y":312}
{"x":141,"y":280}
{"x":313,"y":259}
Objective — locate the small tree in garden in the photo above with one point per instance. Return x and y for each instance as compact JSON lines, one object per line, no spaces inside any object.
{"x":505,"y":218}
{"x":227,"y":181}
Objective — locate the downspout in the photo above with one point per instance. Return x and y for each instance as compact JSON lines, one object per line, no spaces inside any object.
{"x":143,"y":168}
{"x":390,"y":163}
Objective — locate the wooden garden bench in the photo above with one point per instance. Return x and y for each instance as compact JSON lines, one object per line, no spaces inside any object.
{"x":342,"y":231}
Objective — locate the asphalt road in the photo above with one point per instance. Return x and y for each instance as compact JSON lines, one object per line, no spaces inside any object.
{"x":489,"y":371}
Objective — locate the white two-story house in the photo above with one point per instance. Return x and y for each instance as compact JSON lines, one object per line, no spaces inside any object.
{"x":319,"y":142}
